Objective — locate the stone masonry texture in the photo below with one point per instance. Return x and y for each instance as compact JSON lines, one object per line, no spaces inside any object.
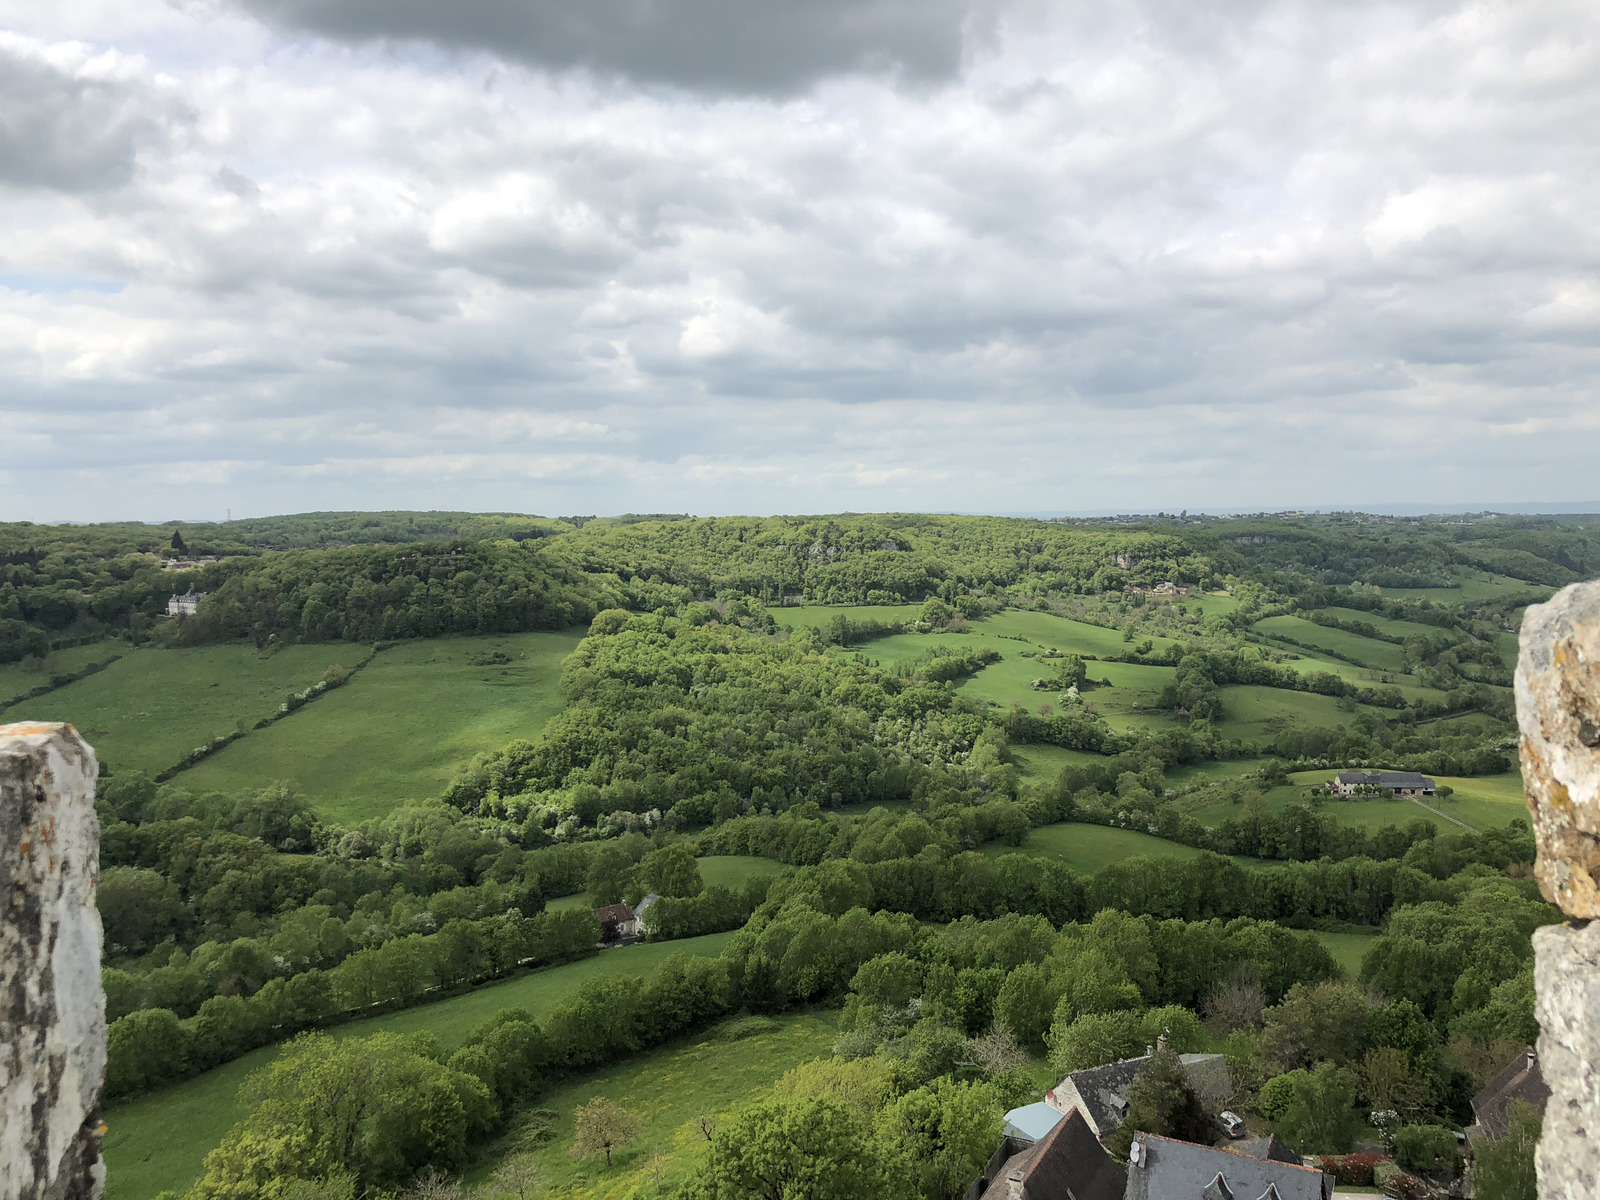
{"x":52,"y":1010}
{"x":1558,"y":709}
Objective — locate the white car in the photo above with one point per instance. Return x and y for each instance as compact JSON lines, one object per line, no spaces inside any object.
{"x":1232,"y":1124}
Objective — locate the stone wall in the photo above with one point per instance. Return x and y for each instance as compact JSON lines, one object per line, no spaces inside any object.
{"x":53,"y":1054}
{"x":1558,"y":708}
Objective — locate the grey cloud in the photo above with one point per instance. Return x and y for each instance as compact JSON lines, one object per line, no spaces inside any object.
{"x":749,"y":46}
{"x":66,"y":132}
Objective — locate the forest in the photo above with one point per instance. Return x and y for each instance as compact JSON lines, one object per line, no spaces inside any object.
{"x":987,"y":800}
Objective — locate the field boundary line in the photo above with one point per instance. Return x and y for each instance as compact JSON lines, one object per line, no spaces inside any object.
{"x":300,"y":699}
{"x":60,"y":681}
{"x":1446,"y":816}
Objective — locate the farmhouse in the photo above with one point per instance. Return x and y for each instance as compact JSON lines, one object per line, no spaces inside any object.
{"x":1101,"y":1093}
{"x":1400,"y":783}
{"x":1065,"y":1160}
{"x":1162,"y":1168}
{"x":618,"y":921}
{"x":184,"y":605}
{"x":1520,"y":1080}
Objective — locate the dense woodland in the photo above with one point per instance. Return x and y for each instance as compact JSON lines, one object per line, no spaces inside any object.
{"x":698,"y":721}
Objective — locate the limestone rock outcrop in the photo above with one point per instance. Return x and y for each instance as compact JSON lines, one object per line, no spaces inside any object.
{"x":52,"y":1009}
{"x":1558,"y":709}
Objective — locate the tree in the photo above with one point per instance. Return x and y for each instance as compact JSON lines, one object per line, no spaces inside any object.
{"x":380,"y":1109}
{"x":670,"y":871}
{"x":518,"y":1176}
{"x":610,"y":871}
{"x":1093,"y":1040}
{"x":938,"y":1137}
{"x":602,"y":1126}
{"x":1428,"y":1150}
{"x":137,"y":907}
{"x":1503,"y":1166}
{"x":1392,"y":1082}
{"x":1319,"y":1114}
{"x":804,"y":1149}
{"x":1325,"y":1021}
{"x":1025,"y":1003}
{"x":1162,"y":1101}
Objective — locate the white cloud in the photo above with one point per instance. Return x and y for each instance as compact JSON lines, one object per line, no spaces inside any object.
{"x":1111,"y":256}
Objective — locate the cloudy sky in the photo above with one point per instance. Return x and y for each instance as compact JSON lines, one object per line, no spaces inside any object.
{"x":759,"y":256}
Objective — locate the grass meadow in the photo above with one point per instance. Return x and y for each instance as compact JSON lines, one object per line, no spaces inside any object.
{"x":403,"y":727}
{"x":18,"y":680}
{"x":159,"y":1142}
{"x":1348,"y":949}
{"x":669,"y":1089}
{"x":148,"y":710}
{"x":1472,"y":585}
{"x":1089,"y":848}
{"x":1489,"y":802}
{"x":1381,"y":656}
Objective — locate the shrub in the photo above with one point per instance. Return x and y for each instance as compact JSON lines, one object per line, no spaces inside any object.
{"x":1428,"y":1150}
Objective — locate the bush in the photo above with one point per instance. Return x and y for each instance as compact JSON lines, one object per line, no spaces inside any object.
{"x":739,"y":1028}
{"x":1428,"y":1150}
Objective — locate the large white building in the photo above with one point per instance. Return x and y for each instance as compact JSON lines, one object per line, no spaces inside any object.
{"x":184,"y":605}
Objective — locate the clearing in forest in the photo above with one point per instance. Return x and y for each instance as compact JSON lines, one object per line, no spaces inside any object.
{"x":404,"y":726}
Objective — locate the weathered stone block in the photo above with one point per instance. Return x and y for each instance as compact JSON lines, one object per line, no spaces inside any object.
{"x":1558,"y":708}
{"x":52,"y":1010}
{"x":1567,"y":979}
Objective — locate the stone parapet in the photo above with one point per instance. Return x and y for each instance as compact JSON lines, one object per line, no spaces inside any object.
{"x":52,"y":1009}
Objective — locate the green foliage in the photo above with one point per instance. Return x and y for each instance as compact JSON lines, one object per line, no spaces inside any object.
{"x":1504,"y":1166}
{"x":938,"y":1137}
{"x":1429,"y":1150}
{"x":376,"y":1109}
{"x":1162,"y":1101}
{"x":1316,"y":1109}
{"x":810,"y":1148}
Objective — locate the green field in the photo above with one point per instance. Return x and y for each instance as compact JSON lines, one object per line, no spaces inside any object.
{"x":1473,"y":585}
{"x":1045,"y":763}
{"x":1388,"y":626}
{"x":159,"y":1141}
{"x":402,"y":728}
{"x":1489,"y":802}
{"x":1089,"y":848}
{"x":669,"y":1090}
{"x":1348,"y":949}
{"x":154,"y":706}
{"x":1253,"y":712}
{"x":17,"y":680}
{"x":731,"y":870}
{"x":1382,"y":656}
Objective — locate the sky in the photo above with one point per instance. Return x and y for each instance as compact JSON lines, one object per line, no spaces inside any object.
{"x":748,"y":256}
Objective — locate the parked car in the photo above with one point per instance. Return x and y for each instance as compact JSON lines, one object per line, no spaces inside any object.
{"x":1232,"y":1124}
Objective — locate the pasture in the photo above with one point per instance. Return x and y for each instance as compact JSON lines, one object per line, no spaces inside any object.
{"x":1348,"y":949}
{"x":1090,"y":848}
{"x":17,"y":679}
{"x":1369,"y":652}
{"x":1472,"y":585}
{"x":669,"y":1089}
{"x":1489,"y":802}
{"x":148,"y":710}
{"x":159,"y":1142}
{"x":404,"y":726}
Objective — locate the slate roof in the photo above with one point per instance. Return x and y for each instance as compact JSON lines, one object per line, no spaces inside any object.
{"x":1168,"y":1169}
{"x":613,"y":914}
{"x":1104,"y":1090}
{"x":1067,"y":1161}
{"x":1389,"y":779}
{"x":1520,"y":1080}
{"x":1267,"y":1147}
